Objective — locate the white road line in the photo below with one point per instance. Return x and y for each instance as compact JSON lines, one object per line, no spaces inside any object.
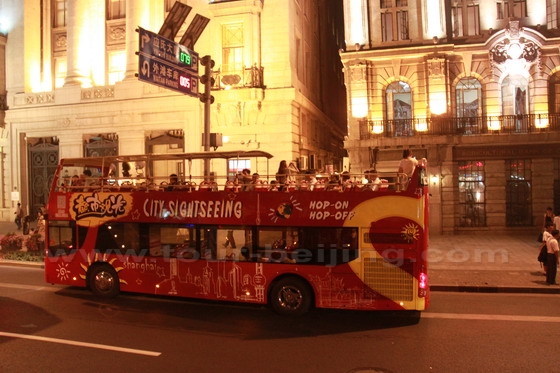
{"x":81,"y":344}
{"x":466,"y":316}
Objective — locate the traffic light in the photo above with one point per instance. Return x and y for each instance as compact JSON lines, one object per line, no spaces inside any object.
{"x":207,"y":79}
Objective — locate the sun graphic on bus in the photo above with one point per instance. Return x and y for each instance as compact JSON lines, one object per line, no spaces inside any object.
{"x":62,"y":272}
{"x":410,"y":232}
{"x":284,"y":210}
{"x":103,"y":258}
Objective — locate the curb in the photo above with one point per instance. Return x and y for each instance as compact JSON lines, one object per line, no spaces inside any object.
{"x":20,"y":263}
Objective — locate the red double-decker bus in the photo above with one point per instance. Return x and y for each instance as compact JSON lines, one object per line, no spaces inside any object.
{"x":313,"y":241}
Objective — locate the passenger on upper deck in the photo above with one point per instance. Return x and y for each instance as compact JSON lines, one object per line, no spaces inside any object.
{"x":245,"y":178}
{"x":407,"y":166}
{"x":373,"y":180}
{"x":282,"y":174}
{"x":173,"y":183}
{"x":255,"y":181}
{"x":334,"y":183}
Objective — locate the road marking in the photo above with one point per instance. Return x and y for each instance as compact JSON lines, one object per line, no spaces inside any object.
{"x":466,"y":316}
{"x":81,"y":344}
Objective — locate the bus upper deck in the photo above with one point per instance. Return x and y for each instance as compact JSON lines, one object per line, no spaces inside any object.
{"x":190,"y":172}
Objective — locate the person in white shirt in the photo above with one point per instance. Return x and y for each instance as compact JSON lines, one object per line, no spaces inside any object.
{"x":407,"y":166}
{"x":556,"y":222}
{"x":552,"y":257}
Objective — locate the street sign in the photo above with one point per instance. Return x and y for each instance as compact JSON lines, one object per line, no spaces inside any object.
{"x":167,"y":75}
{"x":154,"y":45}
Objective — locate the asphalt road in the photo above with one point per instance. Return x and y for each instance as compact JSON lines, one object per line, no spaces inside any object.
{"x":56,"y":328}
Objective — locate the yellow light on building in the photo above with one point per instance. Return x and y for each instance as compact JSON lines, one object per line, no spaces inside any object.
{"x":438,"y":104}
{"x":494,"y":124}
{"x":359,"y":107}
{"x":377,"y":127}
{"x":541,"y":121}
{"x":421,"y":126}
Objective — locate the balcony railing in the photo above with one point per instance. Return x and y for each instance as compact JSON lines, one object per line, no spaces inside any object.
{"x":249,"y":77}
{"x":466,"y":126}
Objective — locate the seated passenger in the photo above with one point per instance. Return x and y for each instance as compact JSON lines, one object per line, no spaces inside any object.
{"x":255,"y":182}
{"x":173,"y":183}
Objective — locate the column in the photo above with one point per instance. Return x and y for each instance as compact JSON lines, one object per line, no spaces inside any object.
{"x":137,"y":14}
{"x":78,"y":33}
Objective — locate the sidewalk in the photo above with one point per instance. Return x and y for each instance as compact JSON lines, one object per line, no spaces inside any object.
{"x":473,"y":263}
{"x":487,"y":263}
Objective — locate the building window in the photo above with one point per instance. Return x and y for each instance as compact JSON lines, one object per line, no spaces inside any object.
{"x":472,"y":197}
{"x":232,"y":48}
{"x":511,"y":8}
{"x":60,"y":13}
{"x":116,"y":66}
{"x":236,"y":166}
{"x":466,"y":19}
{"x":552,"y":11}
{"x":468,"y":100}
{"x":394,"y":20}
{"x":515,"y":99}
{"x":556,"y":188}
{"x":356,"y":23}
{"x":116,"y":9}
{"x":519,"y":211}
{"x":554,"y":94}
{"x":398,"y":108}
{"x":467,"y":97}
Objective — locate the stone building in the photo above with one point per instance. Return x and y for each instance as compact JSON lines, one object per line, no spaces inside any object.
{"x":474,"y":87}
{"x":71,"y":87}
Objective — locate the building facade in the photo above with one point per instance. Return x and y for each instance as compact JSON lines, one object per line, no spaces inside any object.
{"x":71,"y":87}
{"x":473,"y":86}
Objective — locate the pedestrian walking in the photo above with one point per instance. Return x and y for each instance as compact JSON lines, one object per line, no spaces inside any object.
{"x":544,"y":237}
{"x":19,"y":216}
{"x":552,"y":257}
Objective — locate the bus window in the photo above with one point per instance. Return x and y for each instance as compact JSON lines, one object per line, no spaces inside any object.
{"x":172,"y":241}
{"x":118,"y":238}
{"x":275,"y":244}
{"x":208,"y":244}
{"x":230,"y":242}
{"x":61,"y":238}
{"x":327,"y":246}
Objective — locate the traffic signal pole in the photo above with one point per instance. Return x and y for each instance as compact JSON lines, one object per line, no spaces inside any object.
{"x":207,"y":99}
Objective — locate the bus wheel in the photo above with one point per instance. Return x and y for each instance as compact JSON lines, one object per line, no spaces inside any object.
{"x":290,"y":296}
{"x":103,"y":281}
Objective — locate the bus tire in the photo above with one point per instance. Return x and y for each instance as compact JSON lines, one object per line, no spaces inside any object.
{"x":103,"y":281}
{"x":290,"y":296}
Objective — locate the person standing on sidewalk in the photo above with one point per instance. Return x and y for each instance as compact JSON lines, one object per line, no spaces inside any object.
{"x":548,"y":217}
{"x":19,"y":216}
{"x":552,"y":257}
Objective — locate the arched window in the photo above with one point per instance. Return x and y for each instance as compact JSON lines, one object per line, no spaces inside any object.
{"x":398,"y":108}
{"x":554,"y":100}
{"x":554,"y":94}
{"x":515,"y":98}
{"x":468,"y":95}
{"x":468,"y":106}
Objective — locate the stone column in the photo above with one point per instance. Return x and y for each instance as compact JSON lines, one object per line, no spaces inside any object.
{"x":78,"y":33}
{"x":137,"y":14}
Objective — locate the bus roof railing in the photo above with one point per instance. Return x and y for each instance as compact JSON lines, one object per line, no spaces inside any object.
{"x":105,"y":160}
